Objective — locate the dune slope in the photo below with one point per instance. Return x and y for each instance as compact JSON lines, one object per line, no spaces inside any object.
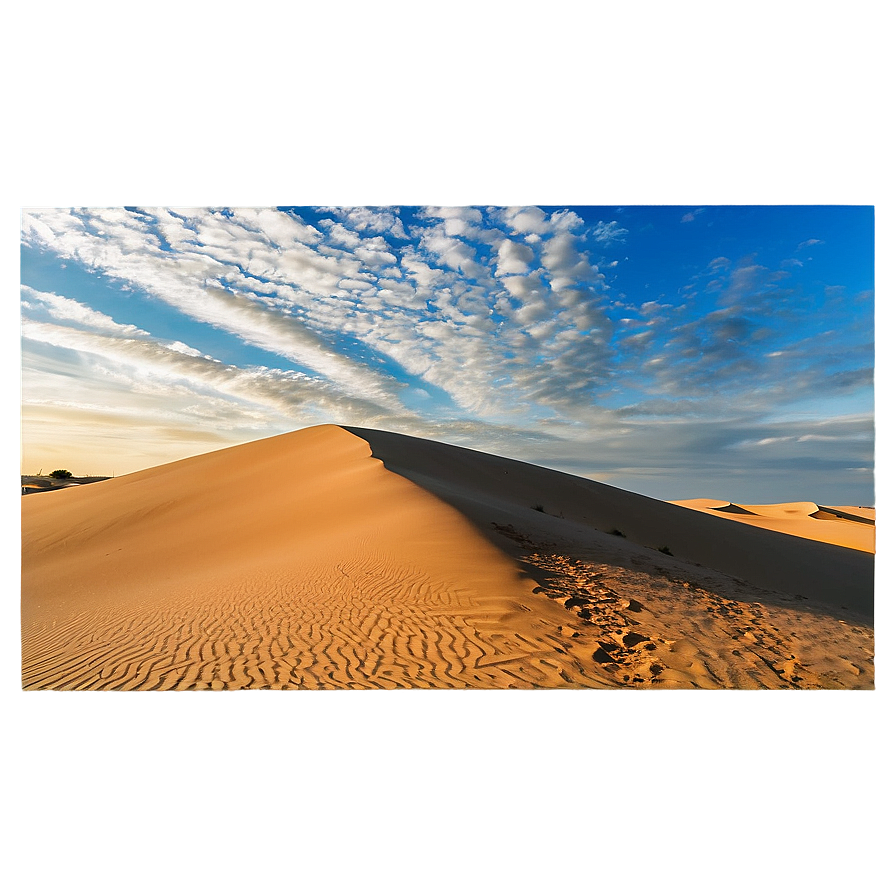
{"x":297,"y":561}
{"x":348,"y":558}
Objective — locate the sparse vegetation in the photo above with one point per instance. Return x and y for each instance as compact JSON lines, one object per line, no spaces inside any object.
{"x":60,"y":474}
{"x":618,"y":532}
{"x":538,"y":507}
{"x":665,"y":550}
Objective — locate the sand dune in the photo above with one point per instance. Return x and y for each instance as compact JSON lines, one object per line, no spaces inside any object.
{"x":348,"y":558}
{"x":850,"y":527}
{"x":487,"y":488}
{"x":856,"y":514}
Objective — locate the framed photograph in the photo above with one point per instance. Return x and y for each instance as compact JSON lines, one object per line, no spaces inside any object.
{"x":451,"y":439}
{"x":482,"y":447}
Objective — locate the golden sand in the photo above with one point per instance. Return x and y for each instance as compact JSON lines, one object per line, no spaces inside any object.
{"x":347,"y":558}
{"x":850,"y":527}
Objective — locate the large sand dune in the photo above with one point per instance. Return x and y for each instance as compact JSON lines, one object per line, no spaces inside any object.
{"x":340,"y":558}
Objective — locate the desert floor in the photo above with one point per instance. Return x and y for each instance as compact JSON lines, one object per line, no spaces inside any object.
{"x":347,"y":558}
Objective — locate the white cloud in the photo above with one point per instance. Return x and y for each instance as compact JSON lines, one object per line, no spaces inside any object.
{"x":564,"y":262}
{"x":377,"y":220}
{"x":513,"y":258}
{"x":453,"y":253}
{"x":500,"y":316}
{"x":77,"y":313}
{"x":609,"y":232}
{"x":149,"y":366}
{"x":525,"y":221}
{"x":342,"y":236}
{"x":462,"y":222}
{"x":185,"y":349}
{"x":691,"y":216}
{"x":191,"y":281}
{"x":423,"y":274}
{"x":565,"y":220}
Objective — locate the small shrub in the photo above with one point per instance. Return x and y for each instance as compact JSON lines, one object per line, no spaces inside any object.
{"x":618,"y":532}
{"x":60,"y":474}
{"x":538,"y":507}
{"x":665,"y":550}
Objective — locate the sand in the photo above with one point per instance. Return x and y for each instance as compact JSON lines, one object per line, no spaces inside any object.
{"x":850,"y":527}
{"x":346,"y":558}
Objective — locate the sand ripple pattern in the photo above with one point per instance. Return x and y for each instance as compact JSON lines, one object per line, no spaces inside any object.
{"x":361,"y":623}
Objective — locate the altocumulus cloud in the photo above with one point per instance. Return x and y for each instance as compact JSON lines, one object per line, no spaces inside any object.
{"x":514,"y":330}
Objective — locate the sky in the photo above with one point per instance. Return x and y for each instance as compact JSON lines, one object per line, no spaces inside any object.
{"x":676,"y":351}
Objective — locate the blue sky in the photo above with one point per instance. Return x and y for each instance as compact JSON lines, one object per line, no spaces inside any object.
{"x":676,"y":351}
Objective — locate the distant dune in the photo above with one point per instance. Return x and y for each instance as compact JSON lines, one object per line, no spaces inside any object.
{"x":350,"y":558}
{"x":850,"y":527}
{"x":33,"y":484}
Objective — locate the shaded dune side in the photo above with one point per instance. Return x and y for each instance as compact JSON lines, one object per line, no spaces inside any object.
{"x":202,"y":574}
{"x":489,"y":489}
{"x":733,"y":508}
{"x":829,"y":513}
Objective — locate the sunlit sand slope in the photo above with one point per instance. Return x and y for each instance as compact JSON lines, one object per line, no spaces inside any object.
{"x":850,"y":527}
{"x":335,"y":558}
{"x":297,"y":561}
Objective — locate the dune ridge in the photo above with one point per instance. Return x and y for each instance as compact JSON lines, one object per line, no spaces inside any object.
{"x":344,"y":558}
{"x":485,"y":488}
{"x":198,"y":574}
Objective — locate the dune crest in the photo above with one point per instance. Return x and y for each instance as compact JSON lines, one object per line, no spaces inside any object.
{"x":297,"y":561}
{"x":344,"y":558}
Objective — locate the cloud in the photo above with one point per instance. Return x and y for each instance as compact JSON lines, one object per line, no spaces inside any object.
{"x":513,"y":258}
{"x":453,"y":253}
{"x":137,"y":375}
{"x":565,"y":220}
{"x":609,"y":232}
{"x":691,"y":216}
{"x":489,"y":324}
{"x":529,"y":221}
{"x":663,"y":407}
{"x":375,"y":220}
{"x":72,"y":312}
{"x":457,"y":221}
{"x":565,"y":263}
{"x":805,"y":244}
{"x":200,"y":283}
{"x":298,"y":290}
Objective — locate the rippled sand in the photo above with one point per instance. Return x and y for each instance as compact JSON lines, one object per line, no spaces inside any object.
{"x":336,"y":558}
